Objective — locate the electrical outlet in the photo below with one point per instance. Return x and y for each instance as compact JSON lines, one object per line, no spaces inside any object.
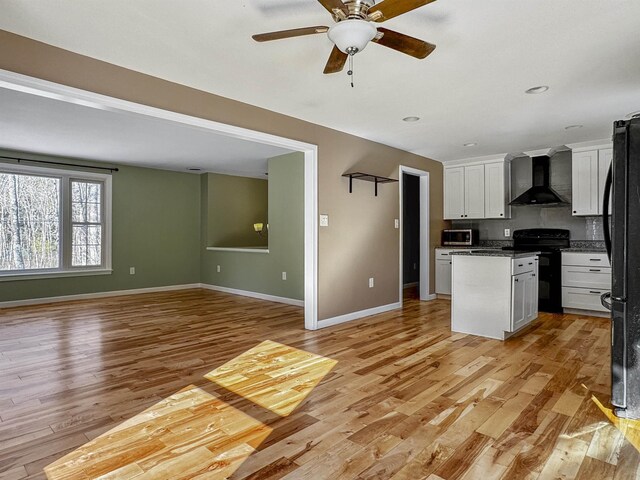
{"x":324,"y":220}
{"x":507,"y":232}
{"x":397,"y":223}
{"x":371,"y":282}
{"x":284,"y":275}
{"x":132,"y":270}
{"x":218,"y":268}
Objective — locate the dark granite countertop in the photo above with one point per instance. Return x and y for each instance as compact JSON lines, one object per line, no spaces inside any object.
{"x":584,"y":250}
{"x":487,"y":252}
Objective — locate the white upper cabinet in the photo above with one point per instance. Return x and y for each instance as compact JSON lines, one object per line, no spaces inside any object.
{"x":584,"y":183}
{"x":454,"y":193}
{"x":588,"y":173}
{"x":480,"y":190}
{"x":605,"y":156}
{"x":497,"y":193}
{"x":474,"y":191}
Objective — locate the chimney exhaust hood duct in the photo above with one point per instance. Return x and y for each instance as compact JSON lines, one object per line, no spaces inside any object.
{"x":540,"y":193}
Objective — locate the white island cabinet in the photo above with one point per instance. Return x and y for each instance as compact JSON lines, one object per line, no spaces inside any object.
{"x":494,"y":293}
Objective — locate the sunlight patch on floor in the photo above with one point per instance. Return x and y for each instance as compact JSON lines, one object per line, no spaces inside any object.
{"x":629,"y":428}
{"x":190,"y":434}
{"x":275,"y":376}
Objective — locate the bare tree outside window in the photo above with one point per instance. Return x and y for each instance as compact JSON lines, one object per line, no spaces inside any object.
{"x":29,"y":222}
{"x":86,"y":223}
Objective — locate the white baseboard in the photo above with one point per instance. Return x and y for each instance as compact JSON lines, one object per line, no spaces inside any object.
{"x":261,"y":296}
{"x":348,"y":317}
{"x":431,"y":296}
{"x":86,"y":296}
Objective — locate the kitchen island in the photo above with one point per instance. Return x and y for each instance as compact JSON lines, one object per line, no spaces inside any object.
{"x":494,"y":292}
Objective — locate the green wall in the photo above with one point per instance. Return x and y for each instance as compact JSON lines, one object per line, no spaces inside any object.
{"x":156,"y":229}
{"x":260,"y":272}
{"x":234,"y":205}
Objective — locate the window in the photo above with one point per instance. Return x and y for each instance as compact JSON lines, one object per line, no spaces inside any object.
{"x":53,"y":222}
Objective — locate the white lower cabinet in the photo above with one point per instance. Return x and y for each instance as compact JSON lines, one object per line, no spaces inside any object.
{"x":443,"y":271}
{"x":524,"y":299}
{"x":585,"y":277}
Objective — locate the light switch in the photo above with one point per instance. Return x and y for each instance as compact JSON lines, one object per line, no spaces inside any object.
{"x":284,"y":275}
{"x":324,"y":220}
{"x":397,"y":223}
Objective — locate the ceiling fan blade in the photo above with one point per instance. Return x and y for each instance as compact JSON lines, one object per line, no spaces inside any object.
{"x":393,"y":8}
{"x":404,"y":43}
{"x":336,"y":61}
{"x":296,"y":32}
{"x":331,"y":5}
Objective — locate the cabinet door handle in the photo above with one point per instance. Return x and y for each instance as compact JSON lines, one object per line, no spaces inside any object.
{"x":595,"y":270}
{"x":517,"y":279}
{"x":595,"y":259}
{"x":593,"y":291}
{"x":521,"y":264}
{"x":530,"y":263}
{"x":533,"y":274}
{"x":449,"y":263}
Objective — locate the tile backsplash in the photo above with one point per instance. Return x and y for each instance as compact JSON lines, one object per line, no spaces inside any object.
{"x":582,"y":228}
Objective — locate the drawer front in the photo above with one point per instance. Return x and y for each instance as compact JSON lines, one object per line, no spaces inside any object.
{"x":583,"y":298}
{"x":443,"y":253}
{"x":523,"y":265}
{"x":585,"y":259}
{"x":586,"y":277}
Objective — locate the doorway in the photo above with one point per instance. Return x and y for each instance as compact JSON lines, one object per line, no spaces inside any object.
{"x":414,"y":231}
{"x":35,"y":86}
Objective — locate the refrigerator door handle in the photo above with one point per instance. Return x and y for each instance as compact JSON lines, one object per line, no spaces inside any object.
{"x":605,"y":212}
{"x":605,"y":300}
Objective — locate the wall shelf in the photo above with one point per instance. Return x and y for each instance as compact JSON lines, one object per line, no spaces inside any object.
{"x":367,"y":177}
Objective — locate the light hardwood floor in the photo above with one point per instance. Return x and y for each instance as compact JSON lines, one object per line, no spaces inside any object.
{"x":201,"y":384}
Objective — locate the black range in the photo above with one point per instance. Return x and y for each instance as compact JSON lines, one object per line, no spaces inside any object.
{"x":549,"y":242}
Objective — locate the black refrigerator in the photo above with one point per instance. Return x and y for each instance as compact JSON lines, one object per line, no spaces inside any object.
{"x":622,"y":237}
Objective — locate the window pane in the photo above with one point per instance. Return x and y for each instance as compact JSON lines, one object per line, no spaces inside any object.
{"x":86,"y":201}
{"x":87,"y":245}
{"x":29,"y":222}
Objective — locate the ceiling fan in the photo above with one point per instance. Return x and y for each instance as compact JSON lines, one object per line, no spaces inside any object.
{"x":354,"y":29}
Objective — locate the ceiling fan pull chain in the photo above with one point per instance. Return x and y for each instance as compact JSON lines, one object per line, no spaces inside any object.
{"x":350,"y":72}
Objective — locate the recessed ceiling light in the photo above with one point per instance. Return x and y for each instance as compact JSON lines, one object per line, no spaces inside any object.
{"x":573,"y":127}
{"x":194,"y":169}
{"x":410,"y":119}
{"x":633,"y":114}
{"x":538,"y":89}
{"x":472,"y":144}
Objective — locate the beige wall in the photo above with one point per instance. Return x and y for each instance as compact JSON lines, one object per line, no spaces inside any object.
{"x":234,"y":205}
{"x":361,"y":240}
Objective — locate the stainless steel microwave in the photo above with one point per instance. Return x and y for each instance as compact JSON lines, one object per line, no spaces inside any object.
{"x":460,"y":237}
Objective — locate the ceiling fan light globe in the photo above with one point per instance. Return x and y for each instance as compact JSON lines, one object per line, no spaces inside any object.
{"x":352,"y":34}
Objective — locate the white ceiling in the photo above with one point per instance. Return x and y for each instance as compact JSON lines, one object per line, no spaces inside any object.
{"x":469,"y":90}
{"x":42,"y":125}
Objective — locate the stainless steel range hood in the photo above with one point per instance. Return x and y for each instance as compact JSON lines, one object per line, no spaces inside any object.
{"x":540,"y":192}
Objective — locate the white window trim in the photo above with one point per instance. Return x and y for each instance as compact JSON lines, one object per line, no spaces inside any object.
{"x":65,"y":269}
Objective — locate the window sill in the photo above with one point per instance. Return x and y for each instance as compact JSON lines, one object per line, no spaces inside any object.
{"x":240,"y":249}
{"x":44,"y":275}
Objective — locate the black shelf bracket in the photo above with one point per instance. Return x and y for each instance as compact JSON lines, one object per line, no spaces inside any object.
{"x":367,"y":177}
